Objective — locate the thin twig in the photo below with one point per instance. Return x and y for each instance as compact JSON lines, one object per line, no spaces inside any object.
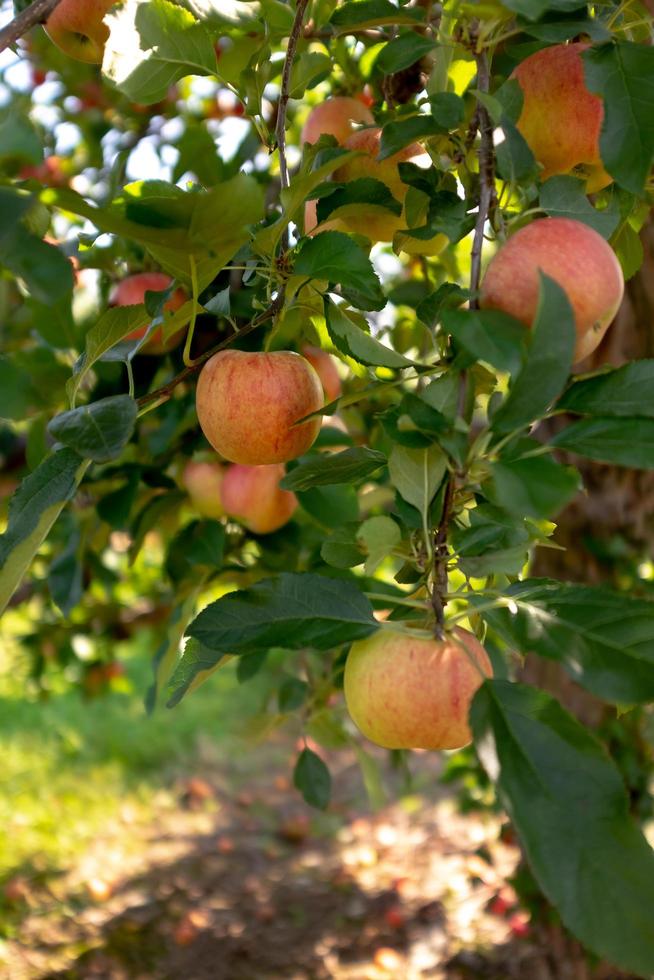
{"x":164,"y":392}
{"x":37,"y":13}
{"x":280,"y":128}
{"x":487,"y":201}
{"x":486,"y":178}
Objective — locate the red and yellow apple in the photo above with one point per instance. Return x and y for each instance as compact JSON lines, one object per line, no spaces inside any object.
{"x":561,"y":119}
{"x":372,"y":221}
{"x":572,"y":254}
{"x":252,"y":495}
{"x":131,"y":292}
{"x":335,"y":117}
{"x":248,"y":405}
{"x":325,"y":367}
{"x":405,"y":692}
{"x":203,"y":482}
{"x":78,"y":28}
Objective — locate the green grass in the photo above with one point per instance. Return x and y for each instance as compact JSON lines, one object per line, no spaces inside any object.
{"x":70,"y":764}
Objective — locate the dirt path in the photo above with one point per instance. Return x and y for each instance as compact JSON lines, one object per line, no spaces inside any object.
{"x":234,"y":879}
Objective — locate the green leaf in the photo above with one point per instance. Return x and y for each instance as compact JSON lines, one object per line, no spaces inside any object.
{"x":197,"y":664}
{"x":365,"y":190}
{"x":45,"y":270}
{"x":628,"y":248}
{"x":289,"y":611}
{"x":549,"y":359}
{"x":200,"y":544}
{"x":622,"y":73}
{"x":403,"y":132}
{"x":351,"y":340}
{"x":490,"y":336}
{"x":341,"y":549}
{"x":403,"y":51}
{"x":311,"y":777}
{"x":336,"y":259}
{"x":111,"y":327}
{"x":604,"y":639}
{"x":379,"y":536}
{"x":33,"y":509}
{"x":534,"y":9}
{"x":625,"y":391}
{"x":569,"y":805}
{"x":99,"y":431}
{"x":330,"y":505}
{"x":360,"y":14}
{"x":65,"y":572}
{"x":449,"y":295}
{"x":348,"y":466}
{"x":292,"y":694}
{"x":417,"y":474}
{"x":532,"y":487}
{"x":565,"y":197}
{"x":154,"y":43}
{"x":621,"y":441}
{"x":19,"y":139}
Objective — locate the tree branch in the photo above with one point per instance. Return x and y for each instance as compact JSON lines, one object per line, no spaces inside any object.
{"x":37,"y":13}
{"x":486,"y":178}
{"x":487,"y":200}
{"x":280,"y":128}
{"x":165,"y":391}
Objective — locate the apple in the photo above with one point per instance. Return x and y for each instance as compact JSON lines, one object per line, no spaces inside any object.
{"x":335,"y":117}
{"x":203,"y":482}
{"x":325,"y":367}
{"x":248,"y":405}
{"x":50,"y":173}
{"x":77,"y":27}
{"x":131,"y":292}
{"x":411,"y":693}
{"x":572,"y":254}
{"x":253,"y":496}
{"x":375,"y":223}
{"x":561,"y":119}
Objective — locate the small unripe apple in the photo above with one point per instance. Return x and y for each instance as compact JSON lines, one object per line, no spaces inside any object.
{"x":561,"y":119}
{"x":325,"y":367}
{"x":253,"y":496}
{"x":203,"y":482}
{"x":411,"y":693}
{"x":248,"y":405}
{"x":78,"y":28}
{"x":572,"y":254}
{"x":131,"y":292}
{"x":335,"y":117}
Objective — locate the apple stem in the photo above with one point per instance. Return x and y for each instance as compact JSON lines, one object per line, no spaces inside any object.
{"x":37,"y":13}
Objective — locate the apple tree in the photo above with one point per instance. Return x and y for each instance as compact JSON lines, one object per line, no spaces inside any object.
{"x":330,"y":372}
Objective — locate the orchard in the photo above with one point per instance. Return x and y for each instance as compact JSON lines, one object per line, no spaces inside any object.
{"x":330,"y":323}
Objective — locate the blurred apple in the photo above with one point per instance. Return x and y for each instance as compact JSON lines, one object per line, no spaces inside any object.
{"x":131,"y":292}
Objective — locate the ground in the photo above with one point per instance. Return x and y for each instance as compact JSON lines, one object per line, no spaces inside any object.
{"x":166,"y":847}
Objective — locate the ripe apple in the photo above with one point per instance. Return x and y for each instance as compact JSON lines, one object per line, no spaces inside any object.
{"x":325,"y":367}
{"x":252,"y":495}
{"x":335,"y":117}
{"x":78,"y":28}
{"x":203,"y":482}
{"x":572,"y":254}
{"x":411,"y":693}
{"x":131,"y":292}
{"x":248,"y":404}
{"x":561,"y":119}
{"x":375,"y":223}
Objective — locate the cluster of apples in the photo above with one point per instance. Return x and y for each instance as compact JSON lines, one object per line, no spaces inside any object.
{"x":249,"y":405}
